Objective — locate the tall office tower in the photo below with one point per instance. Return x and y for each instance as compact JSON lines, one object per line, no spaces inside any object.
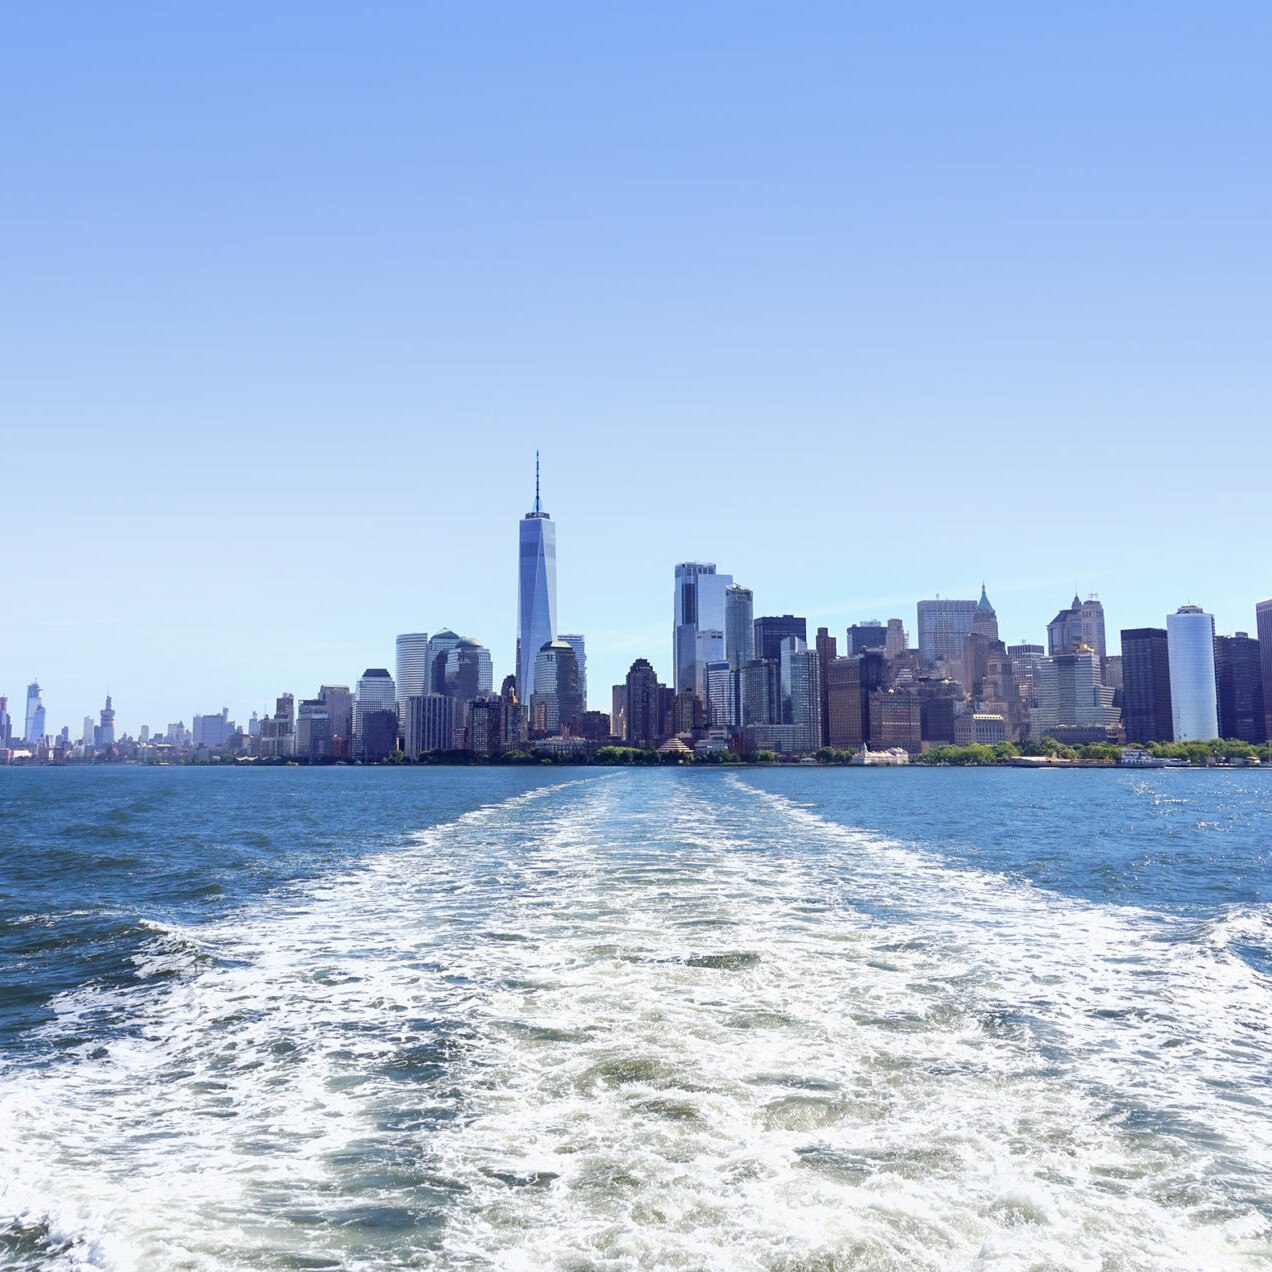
{"x":430,"y":723}
{"x":1074,"y":705}
{"x":687,"y":715}
{"x":896,"y":642}
{"x":699,"y":606}
{"x":1190,"y":641}
{"x":513,"y":724}
{"x":719,"y":685}
{"x":254,"y":724}
{"x":439,"y":645}
{"x":1239,"y":683}
{"x":643,"y":704}
{"x":411,"y":668}
{"x":772,"y":629}
{"x":339,"y":703}
{"x":143,"y":734}
{"x":1263,"y":634}
{"x":618,"y":711}
{"x":90,"y":731}
{"x":1146,"y":709}
{"x":846,"y":728}
{"x":104,"y":734}
{"x":556,"y":697}
{"x":6,"y":724}
{"x":1081,"y":624}
{"x":313,"y":729}
{"x":485,"y":725}
{"x":536,"y":590}
{"x":757,"y":694}
{"x":709,"y":648}
{"x":1024,"y":666}
{"x":984,"y":618}
{"x":942,"y":626}
{"x":871,"y":634}
{"x":801,"y":694}
{"x":739,"y":625}
{"x":469,"y":674}
{"x":827,"y":652}
{"x":577,"y":643}
{"x":375,"y":694}
{"x":34,"y":731}
{"x":213,"y":730}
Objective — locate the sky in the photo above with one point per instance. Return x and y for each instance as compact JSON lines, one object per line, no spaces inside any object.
{"x":864,"y":303}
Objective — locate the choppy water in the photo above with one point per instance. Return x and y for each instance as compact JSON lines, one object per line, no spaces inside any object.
{"x":620,"y":1020}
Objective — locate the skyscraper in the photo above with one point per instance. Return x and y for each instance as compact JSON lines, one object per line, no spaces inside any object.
{"x":1190,"y":642}
{"x":699,"y":607}
{"x":430,"y":723}
{"x":739,"y":625}
{"x":104,"y":734}
{"x":1263,"y":633}
{"x":34,"y":731}
{"x":643,"y":707}
{"x":772,"y":629}
{"x":536,"y":590}
{"x":439,"y":646}
{"x":1146,"y":708}
{"x":556,"y":697}
{"x":1081,"y":624}
{"x":579,"y":645}
{"x":375,"y":695}
{"x":1239,"y":682}
{"x":984,"y":617}
{"x":943,"y":624}
{"x":411,"y":668}
{"x":1073,"y":703}
{"x":6,"y":724}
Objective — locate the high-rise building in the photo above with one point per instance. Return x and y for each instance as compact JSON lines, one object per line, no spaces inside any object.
{"x":757,"y":694}
{"x":643,"y":704}
{"x":739,"y":625}
{"x":1240,"y":690}
{"x":618,"y":710}
{"x":846,"y":728}
{"x":339,"y":703}
{"x":827,"y":652}
{"x":34,"y":731}
{"x":985,"y":618}
{"x":412,"y":667}
{"x":313,"y":729}
{"x":1190,"y":639}
{"x":772,"y":629}
{"x":1024,"y":666}
{"x":90,"y":731}
{"x":719,"y":691}
{"x":536,"y":590}
{"x":439,"y":646}
{"x":699,"y":607}
{"x":485,"y":725}
{"x":1074,"y":705}
{"x":468,"y":674}
{"x":801,"y":694}
{"x":375,"y":694}
{"x":1146,"y":708}
{"x":212,"y":730}
{"x":556,"y":697}
{"x":513,"y":722}
{"x":896,"y":642}
{"x":430,"y":723}
{"x":896,"y":719}
{"x":1263,"y":634}
{"x":6,"y":724}
{"x":579,"y":645}
{"x":1081,"y":624}
{"x":943,"y":624}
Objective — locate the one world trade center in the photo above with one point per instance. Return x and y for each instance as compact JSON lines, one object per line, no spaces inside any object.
{"x":536,"y":590}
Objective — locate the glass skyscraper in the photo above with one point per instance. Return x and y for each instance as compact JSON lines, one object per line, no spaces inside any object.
{"x":699,"y":607}
{"x":1190,"y":640}
{"x":536,"y":590}
{"x":34,"y":715}
{"x":412,"y":669}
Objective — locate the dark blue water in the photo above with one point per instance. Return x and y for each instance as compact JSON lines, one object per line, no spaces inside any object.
{"x":624,"y":1019}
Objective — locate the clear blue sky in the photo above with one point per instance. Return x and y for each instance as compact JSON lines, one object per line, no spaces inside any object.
{"x":863,"y":302}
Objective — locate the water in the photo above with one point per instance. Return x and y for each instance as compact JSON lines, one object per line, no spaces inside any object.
{"x":510,"y":1019}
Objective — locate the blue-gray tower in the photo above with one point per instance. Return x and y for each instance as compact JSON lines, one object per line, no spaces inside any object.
{"x":536,"y":590}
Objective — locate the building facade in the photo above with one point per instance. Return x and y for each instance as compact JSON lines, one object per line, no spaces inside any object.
{"x":411,"y":669}
{"x":1239,"y":688}
{"x":1190,"y":639}
{"x":642,"y":707}
{"x":698,"y":607}
{"x":739,"y":625}
{"x":1263,"y":634}
{"x":536,"y":590}
{"x":943,"y":624}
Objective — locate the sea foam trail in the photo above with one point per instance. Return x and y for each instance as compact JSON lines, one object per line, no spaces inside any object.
{"x":655,"y":1021}
{"x":764,"y":1041}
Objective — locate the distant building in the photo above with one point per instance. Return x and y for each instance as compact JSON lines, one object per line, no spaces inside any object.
{"x":943,"y":625}
{"x":375,"y":693}
{"x":33,"y":734}
{"x":1081,"y":624}
{"x":618,"y":710}
{"x":1024,"y":665}
{"x":827,"y":652}
{"x":339,"y":703}
{"x":868,"y":635}
{"x":212,"y":730}
{"x":757,"y":694}
{"x":6,"y":724}
{"x":1194,"y":702}
{"x":687,"y":715}
{"x":772,"y":629}
{"x":536,"y":590}
{"x":579,"y":645}
{"x":411,"y":668}
{"x":739,"y":626}
{"x":975,"y":728}
{"x":896,"y":719}
{"x":104,"y":733}
{"x":896,"y":642}
{"x":1147,"y":715}
{"x":484,"y":734}
{"x":468,"y":674}
{"x":439,"y":646}
{"x":698,"y":607}
{"x":514,"y":720}
{"x":852,"y":681}
{"x":430,"y":723}
{"x":1072,"y":697}
{"x":643,"y":705}
{"x":313,"y":729}
{"x":556,"y":697}
{"x":719,"y":692}
{"x":591,"y":726}
{"x":801,"y":693}
{"x":1263,"y":633}
{"x":1240,"y":690}
{"x":984,"y":618}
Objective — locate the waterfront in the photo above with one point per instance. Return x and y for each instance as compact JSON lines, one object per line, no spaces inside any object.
{"x":554,"y":1019}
